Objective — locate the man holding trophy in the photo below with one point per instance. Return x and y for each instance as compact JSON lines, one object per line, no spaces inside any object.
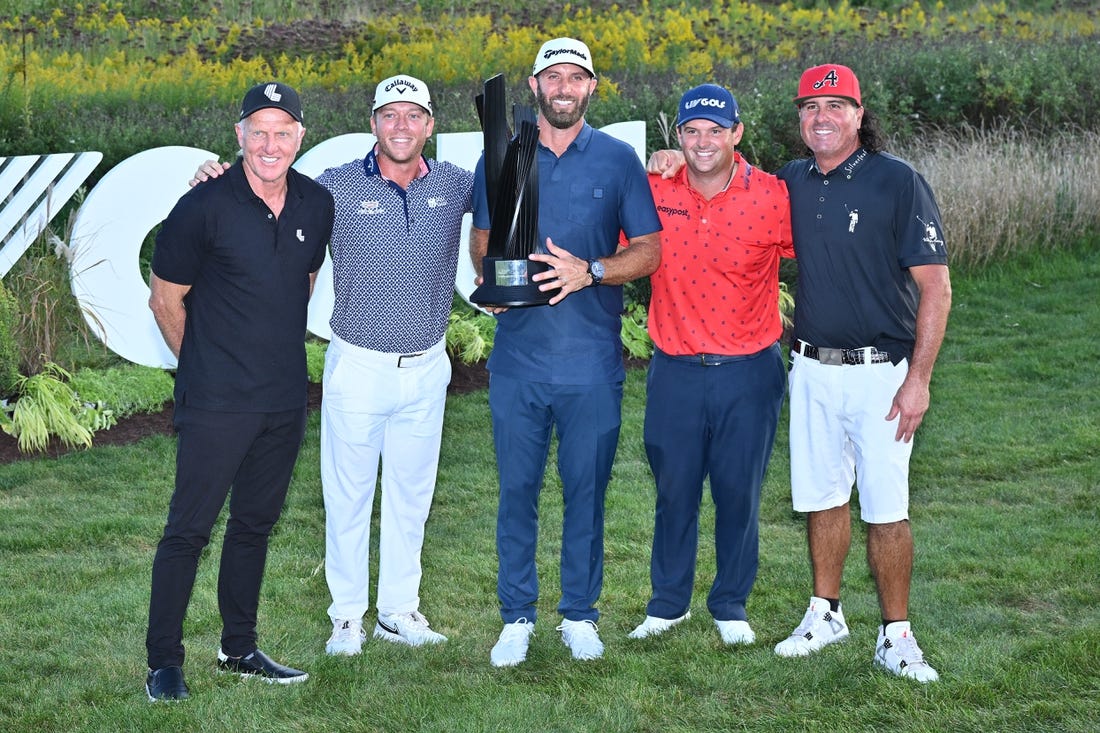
{"x":557,"y":361}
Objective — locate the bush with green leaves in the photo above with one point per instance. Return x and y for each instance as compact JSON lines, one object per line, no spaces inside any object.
{"x":469,"y":333}
{"x":9,"y":350}
{"x":46,"y":406}
{"x":634,"y":334}
{"x":126,"y":390}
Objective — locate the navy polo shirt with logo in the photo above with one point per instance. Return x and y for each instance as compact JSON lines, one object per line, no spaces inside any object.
{"x":395,"y":253}
{"x":243,"y":344}
{"x":595,"y":189}
{"x":856,"y":232}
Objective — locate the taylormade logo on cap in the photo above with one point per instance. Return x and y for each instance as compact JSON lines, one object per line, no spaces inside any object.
{"x":563,"y":51}
{"x":402,"y":88}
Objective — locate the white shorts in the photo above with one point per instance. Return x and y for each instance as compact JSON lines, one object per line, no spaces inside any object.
{"x":839,"y":434}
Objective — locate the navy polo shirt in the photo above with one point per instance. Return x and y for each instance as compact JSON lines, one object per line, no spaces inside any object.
{"x":595,"y":189}
{"x":244,"y":339}
{"x":856,"y":232}
{"x":395,"y":252}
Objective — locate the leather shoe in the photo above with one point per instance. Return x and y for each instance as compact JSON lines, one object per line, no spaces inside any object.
{"x":166,"y":683}
{"x":258,"y":664}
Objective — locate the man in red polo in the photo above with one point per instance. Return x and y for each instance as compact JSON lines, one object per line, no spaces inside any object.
{"x":716,"y":380}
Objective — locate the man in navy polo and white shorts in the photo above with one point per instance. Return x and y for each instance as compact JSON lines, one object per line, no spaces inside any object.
{"x":870,"y":314}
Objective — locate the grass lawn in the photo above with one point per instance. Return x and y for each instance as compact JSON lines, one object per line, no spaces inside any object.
{"x":1005,"y":516}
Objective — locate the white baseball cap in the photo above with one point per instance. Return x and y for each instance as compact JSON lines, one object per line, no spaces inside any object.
{"x":402,"y":88}
{"x":563,"y":51}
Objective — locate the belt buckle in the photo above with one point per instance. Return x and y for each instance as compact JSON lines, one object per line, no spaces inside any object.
{"x":402,"y":358}
{"x":830,"y":357}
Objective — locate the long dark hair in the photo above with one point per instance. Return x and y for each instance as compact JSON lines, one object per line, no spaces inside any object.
{"x":870,"y":134}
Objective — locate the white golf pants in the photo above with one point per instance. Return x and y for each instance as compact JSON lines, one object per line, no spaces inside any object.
{"x":379,"y":407}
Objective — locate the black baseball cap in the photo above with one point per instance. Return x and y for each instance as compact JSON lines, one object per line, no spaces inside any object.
{"x":272,"y":94}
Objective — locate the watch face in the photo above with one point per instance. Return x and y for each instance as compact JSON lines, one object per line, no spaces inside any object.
{"x":596,"y":268}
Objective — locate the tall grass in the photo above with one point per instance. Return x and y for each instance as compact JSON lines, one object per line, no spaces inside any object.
{"x":1005,"y":479}
{"x":1003,"y":192}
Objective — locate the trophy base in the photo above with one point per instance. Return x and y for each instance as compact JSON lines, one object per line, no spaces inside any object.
{"x":507,"y":284}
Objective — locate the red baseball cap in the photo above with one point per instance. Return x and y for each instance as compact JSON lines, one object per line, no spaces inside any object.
{"x":828,"y":80}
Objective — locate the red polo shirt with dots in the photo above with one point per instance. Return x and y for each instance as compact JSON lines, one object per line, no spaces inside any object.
{"x":717,"y":288}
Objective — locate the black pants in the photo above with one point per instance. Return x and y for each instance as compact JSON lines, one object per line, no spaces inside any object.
{"x":254,"y":453}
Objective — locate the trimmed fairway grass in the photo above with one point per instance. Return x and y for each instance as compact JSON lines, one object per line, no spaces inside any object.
{"x":1007,"y":573}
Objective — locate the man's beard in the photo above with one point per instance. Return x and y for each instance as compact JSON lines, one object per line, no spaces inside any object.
{"x":561,"y":120}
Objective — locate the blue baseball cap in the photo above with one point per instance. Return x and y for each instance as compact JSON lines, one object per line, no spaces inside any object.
{"x":709,"y":102}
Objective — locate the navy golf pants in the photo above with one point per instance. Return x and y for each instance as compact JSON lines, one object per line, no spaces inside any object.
{"x":717,"y":421}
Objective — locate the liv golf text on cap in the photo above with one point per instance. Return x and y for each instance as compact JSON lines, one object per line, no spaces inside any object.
{"x":708,"y":102}
{"x":828,"y":80}
{"x":563,"y":51}
{"x":402,"y":88}
{"x":272,"y":94}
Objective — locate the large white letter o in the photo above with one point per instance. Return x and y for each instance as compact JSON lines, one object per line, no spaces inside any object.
{"x":114,"y":220}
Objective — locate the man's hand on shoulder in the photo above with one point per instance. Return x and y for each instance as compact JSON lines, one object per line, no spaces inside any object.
{"x":666,"y":162}
{"x":209,"y":169}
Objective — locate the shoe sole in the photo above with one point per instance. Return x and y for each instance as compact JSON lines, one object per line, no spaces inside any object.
{"x":507,"y":663}
{"x":588,"y":657}
{"x":268,"y":680}
{"x":808,"y":652}
{"x":342,"y":652}
{"x":904,"y":675}
{"x":149,"y":694}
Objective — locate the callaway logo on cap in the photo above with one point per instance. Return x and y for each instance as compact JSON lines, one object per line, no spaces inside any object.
{"x":402,"y":88}
{"x":563,"y":51}
{"x":828,"y":80}
{"x":272,"y":94}
{"x":708,"y":102}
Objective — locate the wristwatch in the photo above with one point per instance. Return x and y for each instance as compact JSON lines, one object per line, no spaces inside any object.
{"x":595,"y":269}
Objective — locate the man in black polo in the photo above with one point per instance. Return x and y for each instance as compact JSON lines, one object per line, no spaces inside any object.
{"x":233,"y":269}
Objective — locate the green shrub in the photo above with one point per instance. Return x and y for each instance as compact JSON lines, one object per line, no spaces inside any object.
{"x":635,"y":337}
{"x":49,"y":325}
{"x":9,"y":350}
{"x":127,"y":390}
{"x":46,"y":406}
{"x":469,"y":334}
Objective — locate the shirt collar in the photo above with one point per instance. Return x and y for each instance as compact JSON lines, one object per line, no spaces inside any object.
{"x":584,"y":137}
{"x":243,"y":189}
{"x":370,"y":165}
{"x":849,"y":167}
{"x":740,"y":177}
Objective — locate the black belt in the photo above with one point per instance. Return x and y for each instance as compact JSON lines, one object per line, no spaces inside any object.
{"x":711,"y":360}
{"x":410,"y":357}
{"x":836,"y":357}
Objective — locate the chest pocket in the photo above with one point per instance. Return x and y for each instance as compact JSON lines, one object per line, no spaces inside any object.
{"x":587,"y":203}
